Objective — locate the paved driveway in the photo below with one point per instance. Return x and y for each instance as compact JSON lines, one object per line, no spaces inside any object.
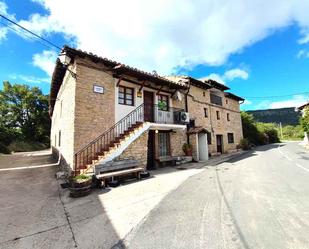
{"x":31,"y":213}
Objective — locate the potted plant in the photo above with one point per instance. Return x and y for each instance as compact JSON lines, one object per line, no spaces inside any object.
{"x":80,"y":185}
{"x":162,"y":106}
{"x":187,"y":149}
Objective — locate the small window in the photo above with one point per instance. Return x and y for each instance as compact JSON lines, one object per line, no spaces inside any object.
{"x":228,"y":117}
{"x":230,"y":138}
{"x":204,"y":94}
{"x":59,"y":139}
{"x":215,"y":99}
{"x":205,"y":112}
{"x":125,"y":96}
{"x":163,"y":102}
{"x":209,"y":138}
{"x":226,"y":101}
{"x":218,"y":115}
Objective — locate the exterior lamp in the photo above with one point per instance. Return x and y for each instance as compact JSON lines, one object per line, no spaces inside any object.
{"x":157,"y":131}
{"x":65,"y":61}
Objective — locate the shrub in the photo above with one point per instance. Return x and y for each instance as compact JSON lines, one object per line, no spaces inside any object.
{"x":4,"y":149}
{"x":244,"y":144}
{"x":24,"y":146}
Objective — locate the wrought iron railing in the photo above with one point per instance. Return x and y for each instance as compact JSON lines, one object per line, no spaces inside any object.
{"x":144,"y":112}
{"x":106,"y":140}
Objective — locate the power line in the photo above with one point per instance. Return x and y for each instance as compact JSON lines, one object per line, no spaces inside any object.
{"x":29,"y":31}
{"x":26,"y":35}
{"x":277,"y":96}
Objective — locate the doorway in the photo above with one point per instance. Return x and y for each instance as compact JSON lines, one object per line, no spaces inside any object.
{"x":219,"y":144}
{"x":148,"y":106}
{"x":151,"y":150}
{"x":202,"y":147}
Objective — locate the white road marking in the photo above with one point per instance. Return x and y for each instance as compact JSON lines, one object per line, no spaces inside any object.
{"x":297,"y":164}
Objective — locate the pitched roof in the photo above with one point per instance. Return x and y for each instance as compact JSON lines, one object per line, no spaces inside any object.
{"x":233,"y":96}
{"x":115,"y":66}
{"x":197,"y":129}
{"x":217,"y":85}
{"x":303,"y":106}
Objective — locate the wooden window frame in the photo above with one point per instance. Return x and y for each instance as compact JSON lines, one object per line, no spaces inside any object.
{"x":125,"y":99}
{"x":230,"y":138}
{"x":159,"y":98}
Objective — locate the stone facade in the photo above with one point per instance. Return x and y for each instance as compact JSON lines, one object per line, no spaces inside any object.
{"x":137,"y":150}
{"x":199,"y":103}
{"x":94,"y":112}
{"x":80,"y":115}
{"x":62,"y":128}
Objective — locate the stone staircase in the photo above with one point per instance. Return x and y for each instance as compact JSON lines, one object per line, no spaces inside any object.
{"x":111,"y":143}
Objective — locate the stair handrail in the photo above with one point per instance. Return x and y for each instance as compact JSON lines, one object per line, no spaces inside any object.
{"x":136,"y":115}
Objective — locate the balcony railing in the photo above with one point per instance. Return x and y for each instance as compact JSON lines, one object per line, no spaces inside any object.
{"x":157,"y":114}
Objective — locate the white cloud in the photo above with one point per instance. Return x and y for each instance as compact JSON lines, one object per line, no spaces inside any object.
{"x":30,"y":78}
{"x":236,"y":73}
{"x":296,"y":101}
{"x":214,"y":76}
{"x":3,"y":29}
{"x":45,"y":61}
{"x":303,"y":53}
{"x":162,"y":34}
{"x":228,"y":76}
{"x":247,"y":102}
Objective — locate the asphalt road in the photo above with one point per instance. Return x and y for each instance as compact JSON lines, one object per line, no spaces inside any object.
{"x":260,"y":200}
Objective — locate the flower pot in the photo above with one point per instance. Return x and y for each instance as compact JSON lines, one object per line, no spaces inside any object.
{"x":80,"y":188}
{"x":188,"y":152}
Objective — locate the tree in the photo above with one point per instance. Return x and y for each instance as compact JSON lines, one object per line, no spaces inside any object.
{"x":305,"y":120}
{"x":24,"y":113}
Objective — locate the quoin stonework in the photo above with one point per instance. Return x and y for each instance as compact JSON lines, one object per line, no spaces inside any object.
{"x":105,"y":113}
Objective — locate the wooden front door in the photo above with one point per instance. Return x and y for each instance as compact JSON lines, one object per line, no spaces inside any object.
{"x":148,"y":106}
{"x":219,"y":143}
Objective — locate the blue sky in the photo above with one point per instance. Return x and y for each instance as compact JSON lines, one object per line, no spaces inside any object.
{"x":255,"y":54}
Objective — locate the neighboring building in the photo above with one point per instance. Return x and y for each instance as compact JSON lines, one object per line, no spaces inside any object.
{"x":285,"y":116}
{"x":103,"y":111}
{"x":306,"y":135}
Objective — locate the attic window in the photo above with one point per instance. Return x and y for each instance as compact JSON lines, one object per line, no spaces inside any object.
{"x":215,"y":99}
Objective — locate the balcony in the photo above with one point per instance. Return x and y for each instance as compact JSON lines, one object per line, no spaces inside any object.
{"x":168,"y":115}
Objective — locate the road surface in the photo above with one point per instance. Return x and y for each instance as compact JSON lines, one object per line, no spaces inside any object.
{"x":260,"y":200}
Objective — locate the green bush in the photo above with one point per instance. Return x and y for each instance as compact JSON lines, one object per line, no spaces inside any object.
{"x":258,"y":133}
{"x":290,"y":132}
{"x":4,"y":149}
{"x":24,"y":146}
{"x":244,"y":144}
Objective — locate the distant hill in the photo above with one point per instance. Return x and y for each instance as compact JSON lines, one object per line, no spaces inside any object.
{"x":287,"y":116}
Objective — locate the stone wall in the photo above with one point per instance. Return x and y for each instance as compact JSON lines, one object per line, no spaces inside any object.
{"x":62,"y":125}
{"x":137,"y":150}
{"x":178,"y":138}
{"x":94,"y":111}
{"x":199,"y":99}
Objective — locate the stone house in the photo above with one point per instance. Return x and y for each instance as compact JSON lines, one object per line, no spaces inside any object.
{"x":103,"y":111}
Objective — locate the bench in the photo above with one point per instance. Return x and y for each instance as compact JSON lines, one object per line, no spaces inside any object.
{"x":168,"y":159}
{"x":119,"y":173}
{"x":118,"y":168}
